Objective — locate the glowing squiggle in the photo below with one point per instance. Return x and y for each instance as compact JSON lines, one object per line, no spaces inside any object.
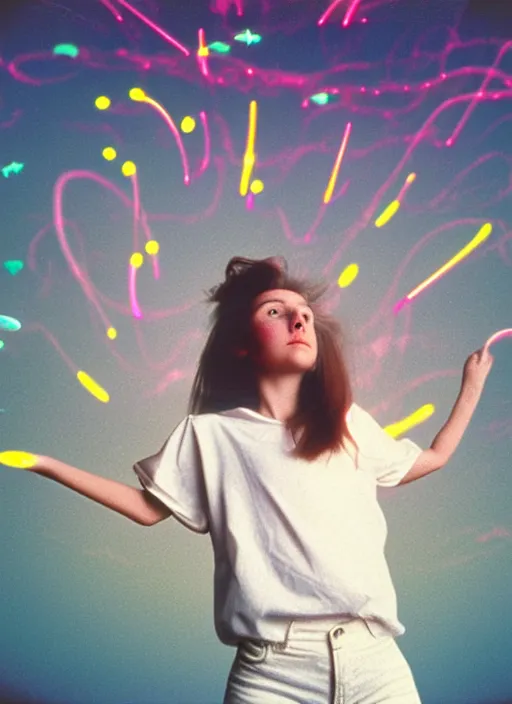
{"x":476,"y":97}
{"x":477,"y":240}
{"x":61,"y":235}
{"x":138,"y":95}
{"x":500,"y":335}
{"x":154,"y":27}
{"x":249,"y":156}
{"x":337,"y":164}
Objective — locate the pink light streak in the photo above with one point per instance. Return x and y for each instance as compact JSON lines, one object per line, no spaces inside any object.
{"x":112,"y":9}
{"x":350,"y":13}
{"x":329,"y":12}
{"x":478,"y":96}
{"x":154,"y":27}
{"x":170,"y":122}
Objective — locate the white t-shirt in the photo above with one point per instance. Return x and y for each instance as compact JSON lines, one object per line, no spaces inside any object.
{"x":291,"y":538}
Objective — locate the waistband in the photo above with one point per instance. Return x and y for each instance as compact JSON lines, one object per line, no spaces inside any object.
{"x":317,"y":627}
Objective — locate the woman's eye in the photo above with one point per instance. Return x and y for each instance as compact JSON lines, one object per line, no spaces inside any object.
{"x":307,"y":316}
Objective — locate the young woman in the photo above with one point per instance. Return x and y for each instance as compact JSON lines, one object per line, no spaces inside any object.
{"x":278,"y":464}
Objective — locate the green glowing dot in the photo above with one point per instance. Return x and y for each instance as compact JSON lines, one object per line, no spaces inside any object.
{"x":248,"y":37}
{"x":320,"y":98}
{"x":13,"y":266}
{"x":66,"y":50}
{"x":7,"y":323}
{"x":220,"y":47}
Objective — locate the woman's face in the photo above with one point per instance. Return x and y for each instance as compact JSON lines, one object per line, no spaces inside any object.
{"x":278,"y":317}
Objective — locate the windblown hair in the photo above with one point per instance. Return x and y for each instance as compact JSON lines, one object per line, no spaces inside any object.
{"x":224,"y":381}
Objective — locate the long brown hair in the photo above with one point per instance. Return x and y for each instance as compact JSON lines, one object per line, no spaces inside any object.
{"x":224,"y":381}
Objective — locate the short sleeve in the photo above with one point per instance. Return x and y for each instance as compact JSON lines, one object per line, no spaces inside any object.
{"x":389,"y":459}
{"x":174,"y":475}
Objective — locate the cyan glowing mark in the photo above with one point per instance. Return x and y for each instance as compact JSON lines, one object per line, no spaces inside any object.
{"x":66,"y":50}
{"x":7,"y":323}
{"x":248,"y":37}
{"x":220,"y":47}
{"x":13,"y":266}
{"x":13,"y":168}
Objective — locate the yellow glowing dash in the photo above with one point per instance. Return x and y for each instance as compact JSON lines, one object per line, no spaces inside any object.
{"x":348,"y":275}
{"x":477,"y":240}
{"x":337,"y":164}
{"x":388,"y":213}
{"x":249,"y":156}
{"x":402,"y":426}
{"x":92,"y":387}
{"x":18,"y":459}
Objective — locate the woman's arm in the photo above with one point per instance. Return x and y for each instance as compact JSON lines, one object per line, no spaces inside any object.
{"x":136,"y":504}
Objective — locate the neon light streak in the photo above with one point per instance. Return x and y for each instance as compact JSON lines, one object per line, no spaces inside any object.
{"x":18,"y":459}
{"x":350,"y":13}
{"x":478,"y":95}
{"x":337,"y":164}
{"x":477,"y":240}
{"x":92,"y":387}
{"x":329,"y":12}
{"x":138,"y":95}
{"x":394,"y":206}
{"x":154,"y":27}
{"x":408,"y":183}
{"x":202,"y":53}
{"x":419,"y":416}
{"x":500,"y":335}
{"x":136,"y":261}
{"x":112,"y":9}
{"x":249,"y":156}
{"x":388,"y":213}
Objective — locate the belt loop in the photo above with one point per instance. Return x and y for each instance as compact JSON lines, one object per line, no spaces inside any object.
{"x":282,"y":646}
